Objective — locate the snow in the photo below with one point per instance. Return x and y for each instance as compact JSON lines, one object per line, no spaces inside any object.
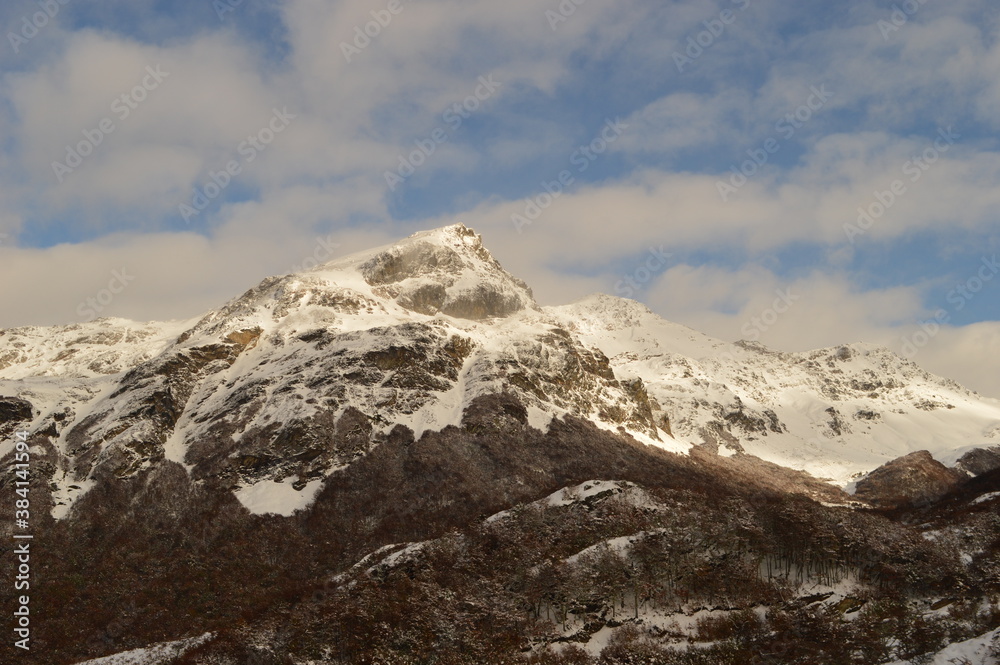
{"x":568,"y":496}
{"x":577,"y":493}
{"x":175,"y":448}
{"x":974,"y":652}
{"x":698,"y":380}
{"x":66,"y":493}
{"x":986,"y":497}
{"x":7,"y":446}
{"x":157,"y":654}
{"x":539,"y":418}
{"x":696,"y":383}
{"x":682,"y":627}
{"x":97,"y":348}
{"x":618,"y":546}
{"x":279,"y":498}
{"x":399,"y":556}
{"x":384,"y":558}
{"x":599,"y":641}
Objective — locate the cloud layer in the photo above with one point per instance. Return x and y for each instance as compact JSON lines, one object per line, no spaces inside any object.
{"x":838,"y":163}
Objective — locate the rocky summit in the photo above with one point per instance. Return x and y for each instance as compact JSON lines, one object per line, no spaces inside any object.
{"x":259,"y":479}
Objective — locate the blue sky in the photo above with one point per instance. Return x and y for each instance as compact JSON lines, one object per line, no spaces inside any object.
{"x":741,"y":136}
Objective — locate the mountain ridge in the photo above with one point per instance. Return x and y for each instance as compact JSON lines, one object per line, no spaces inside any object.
{"x":410,"y":334}
{"x":399,"y":457}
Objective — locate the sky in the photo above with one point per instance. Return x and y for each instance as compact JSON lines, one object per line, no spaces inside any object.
{"x":798,"y":174}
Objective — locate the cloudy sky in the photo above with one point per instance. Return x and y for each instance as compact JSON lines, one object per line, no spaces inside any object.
{"x":802,"y":174}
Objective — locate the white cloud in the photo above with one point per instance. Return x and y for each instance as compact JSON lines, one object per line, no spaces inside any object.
{"x":686,"y":120}
{"x":174,"y":122}
{"x":820,"y":311}
{"x":970,"y":354}
{"x":814,"y":311}
{"x":173,"y":276}
{"x":323,"y":178}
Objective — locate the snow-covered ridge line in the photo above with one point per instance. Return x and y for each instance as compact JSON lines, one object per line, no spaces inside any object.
{"x":260,"y":391}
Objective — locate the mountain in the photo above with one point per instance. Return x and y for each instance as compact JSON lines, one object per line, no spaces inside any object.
{"x":252,"y":394}
{"x":229,"y":464}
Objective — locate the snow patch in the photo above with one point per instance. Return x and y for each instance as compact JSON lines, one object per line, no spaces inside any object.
{"x":66,"y":493}
{"x":539,"y":418}
{"x":973,"y":652}
{"x":577,"y":493}
{"x":269,"y":497}
{"x":157,"y":654}
{"x":986,"y":497}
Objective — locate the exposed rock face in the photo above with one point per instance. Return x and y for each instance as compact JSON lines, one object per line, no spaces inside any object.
{"x":137,"y":418}
{"x":979,"y":461}
{"x":457,"y":277}
{"x":912,"y":479}
{"x":13,"y":411}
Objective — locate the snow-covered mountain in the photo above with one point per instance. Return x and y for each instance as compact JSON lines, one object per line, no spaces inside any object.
{"x":304,"y":374}
{"x":837,"y":413}
{"x":400,"y":456}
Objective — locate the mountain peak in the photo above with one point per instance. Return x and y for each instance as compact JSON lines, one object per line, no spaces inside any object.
{"x":454,"y":234}
{"x":446,"y":270}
